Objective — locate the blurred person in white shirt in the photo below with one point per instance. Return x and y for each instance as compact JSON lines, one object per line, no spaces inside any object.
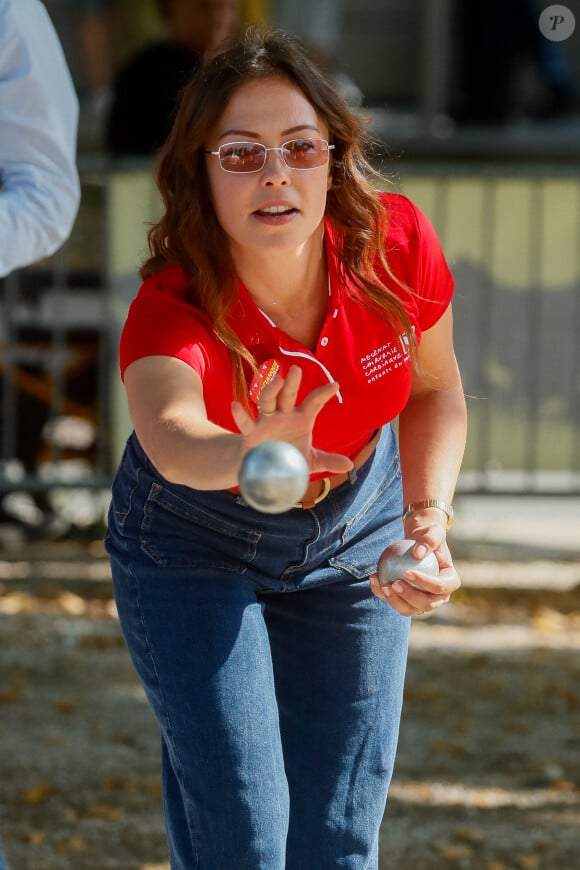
{"x":39,"y":184}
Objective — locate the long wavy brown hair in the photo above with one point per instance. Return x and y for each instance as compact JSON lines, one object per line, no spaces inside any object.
{"x":188,"y":233}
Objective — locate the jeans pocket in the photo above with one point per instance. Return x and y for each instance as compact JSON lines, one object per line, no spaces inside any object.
{"x":178,"y":533}
{"x":123,"y":490}
{"x":374,"y":524}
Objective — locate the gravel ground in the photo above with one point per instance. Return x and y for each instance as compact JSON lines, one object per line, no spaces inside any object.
{"x":488,"y":771}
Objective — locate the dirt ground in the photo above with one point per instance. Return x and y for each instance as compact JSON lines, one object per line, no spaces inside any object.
{"x":488,"y":771}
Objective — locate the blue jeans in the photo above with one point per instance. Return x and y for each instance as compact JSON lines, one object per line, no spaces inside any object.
{"x":276,"y":676}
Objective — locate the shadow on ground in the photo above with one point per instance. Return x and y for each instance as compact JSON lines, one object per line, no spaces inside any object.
{"x":488,"y":772}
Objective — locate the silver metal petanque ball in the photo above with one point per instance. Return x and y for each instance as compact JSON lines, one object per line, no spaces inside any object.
{"x":273,"y":476}
{"x":398,"y":558}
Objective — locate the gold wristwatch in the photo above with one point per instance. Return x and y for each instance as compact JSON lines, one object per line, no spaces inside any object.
{"x":429,"y":503}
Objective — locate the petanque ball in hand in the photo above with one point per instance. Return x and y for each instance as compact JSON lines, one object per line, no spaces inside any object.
{"x":273,"y":476}
{"x":398,"y":558}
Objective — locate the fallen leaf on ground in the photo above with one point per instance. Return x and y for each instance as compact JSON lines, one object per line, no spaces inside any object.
{"x":72,"y":844}
{"x":64,"y":706}
{"x":36,"y":794}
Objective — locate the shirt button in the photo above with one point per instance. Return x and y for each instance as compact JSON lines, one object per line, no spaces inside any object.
{"x":324,"y":341}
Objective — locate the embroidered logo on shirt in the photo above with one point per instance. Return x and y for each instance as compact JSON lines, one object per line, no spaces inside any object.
{"x":385,"y":359}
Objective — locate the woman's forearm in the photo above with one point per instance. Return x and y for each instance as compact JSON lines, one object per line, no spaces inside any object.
{"x":432,"y":433}
{"x":165,"y":399}
{"x":193,"y":452}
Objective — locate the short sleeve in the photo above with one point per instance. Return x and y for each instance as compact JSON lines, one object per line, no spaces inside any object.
{"x":416,"y":257}
{"x":435,"y":283}
{"x":159,"y":325}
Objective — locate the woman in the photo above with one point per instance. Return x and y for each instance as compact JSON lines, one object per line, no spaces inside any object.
{"x":284,"y":299}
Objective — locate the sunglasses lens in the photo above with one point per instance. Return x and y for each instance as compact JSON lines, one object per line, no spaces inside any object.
{"x":242,"y":157}
{"x":305,"y":153}
{"x":251,"y":156}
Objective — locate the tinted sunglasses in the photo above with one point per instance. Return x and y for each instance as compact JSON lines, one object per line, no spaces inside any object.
{"x":251,"y":156}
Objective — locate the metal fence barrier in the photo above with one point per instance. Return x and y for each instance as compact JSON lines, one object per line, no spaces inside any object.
{"x":511,"y":235}
{"x":55,"y":352}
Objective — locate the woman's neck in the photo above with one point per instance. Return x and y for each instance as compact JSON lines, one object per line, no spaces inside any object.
{"x":284,"y":281}
{"x":291,"y":290}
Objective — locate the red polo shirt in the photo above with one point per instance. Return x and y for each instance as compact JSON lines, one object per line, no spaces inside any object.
{"x":356,"y":347}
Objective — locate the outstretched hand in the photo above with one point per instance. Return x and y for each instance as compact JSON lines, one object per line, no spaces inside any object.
{"x":279,"y":418}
